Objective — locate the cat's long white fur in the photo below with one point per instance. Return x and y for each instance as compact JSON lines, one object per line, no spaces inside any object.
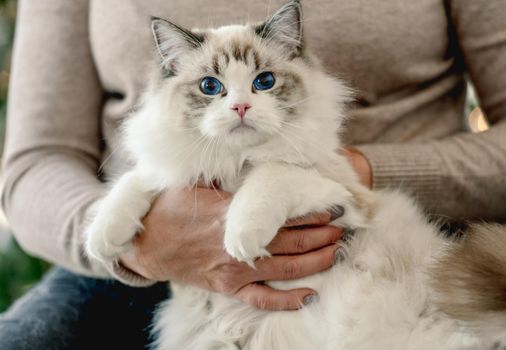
{"x":378,"y":298}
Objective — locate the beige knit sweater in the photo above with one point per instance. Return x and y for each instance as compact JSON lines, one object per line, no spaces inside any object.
{"x":80,"y":66}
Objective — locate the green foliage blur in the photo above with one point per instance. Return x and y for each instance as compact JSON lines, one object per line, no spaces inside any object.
{"x":18,"y":271}
{"x":7,"y":20}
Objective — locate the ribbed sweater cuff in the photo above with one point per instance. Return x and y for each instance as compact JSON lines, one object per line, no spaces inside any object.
{"x":414,"y":168}
{"x":127,"y":276}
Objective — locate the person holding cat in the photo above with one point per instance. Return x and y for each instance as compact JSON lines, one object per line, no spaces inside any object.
{"x":406,"y":127}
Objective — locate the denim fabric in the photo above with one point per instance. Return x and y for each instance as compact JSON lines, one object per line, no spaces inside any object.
{"x":68,"y":311}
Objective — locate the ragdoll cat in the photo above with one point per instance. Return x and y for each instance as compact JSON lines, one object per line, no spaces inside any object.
{"x":248,"y":106}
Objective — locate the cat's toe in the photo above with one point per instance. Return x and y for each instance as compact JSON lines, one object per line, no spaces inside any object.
{"x":104,"y":242}
{"x":244,"y":247}
{"x":99,"y":248}
{"x":350,"y":217}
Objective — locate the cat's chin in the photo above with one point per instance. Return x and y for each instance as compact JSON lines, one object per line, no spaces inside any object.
{"x":242,"y":128}
{"x":245,"y":136}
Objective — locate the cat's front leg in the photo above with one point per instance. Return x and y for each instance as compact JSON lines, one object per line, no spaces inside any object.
{"x":253,"y":219}
{"x":273,"y":193}
{"x":117,"y":217}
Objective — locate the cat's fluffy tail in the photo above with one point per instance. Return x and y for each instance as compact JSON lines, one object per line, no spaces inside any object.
{"x":470,"y":281}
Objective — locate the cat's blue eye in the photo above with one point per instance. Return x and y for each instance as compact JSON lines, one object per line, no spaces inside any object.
{"x":211,"y":86}
{"x":264,"y":81}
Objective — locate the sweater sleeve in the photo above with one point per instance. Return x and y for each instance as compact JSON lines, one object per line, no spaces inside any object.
{"x":462,"y":176}
{"x":53,"y":136}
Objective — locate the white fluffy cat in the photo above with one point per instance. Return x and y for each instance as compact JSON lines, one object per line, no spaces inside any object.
{"x":248,"y":106}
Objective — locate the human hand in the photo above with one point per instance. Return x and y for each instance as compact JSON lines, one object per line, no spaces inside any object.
{"x":361,"y":165}
{"x":183,"y":242}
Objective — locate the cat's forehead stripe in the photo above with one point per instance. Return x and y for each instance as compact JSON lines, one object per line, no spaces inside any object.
{"x":226,"y":56}
{"x":216,"y":65}
{"x":256,"y":59}
{"x":241,"y":52}
{"x":236,"y":51}
{"x":245,"y":53}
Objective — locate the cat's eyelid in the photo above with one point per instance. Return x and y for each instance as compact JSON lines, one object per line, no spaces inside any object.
{"x":214,"y":76}
{"x":264,"y":69}
{"x":208,"y":71}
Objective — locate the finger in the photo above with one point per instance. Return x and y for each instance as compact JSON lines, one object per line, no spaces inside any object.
{"x":302,"y":241}
{"x":287,"y":267}
{"x":266,"y":298}
{"x":316,"y":219}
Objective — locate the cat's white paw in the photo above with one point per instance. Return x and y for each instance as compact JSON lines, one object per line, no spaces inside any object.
{"x":246,"y":243}
{"x":108,"y":238}
{"x":117,"y":219}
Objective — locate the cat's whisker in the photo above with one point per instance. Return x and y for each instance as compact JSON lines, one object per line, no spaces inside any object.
{"x":291,"y":144}
{"x":196,"y":144}
{"x":187,"y":129}
{"x":108,"y":158}
{"x":207,"y":155}
{"x":216,"y":149}
{"x":203,"y":154}
{"x":192,"y":145}
{"x":305,"y":141}
{"x":208,"y":164}
{"x":202,"y":170}
{"x":304,"y":158}
{"x":195,"y":203}
{"x":291,"y":125}
{"x":294,"y":104}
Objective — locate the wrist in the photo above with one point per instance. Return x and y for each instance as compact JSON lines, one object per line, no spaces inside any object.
{"x":140,"y":266}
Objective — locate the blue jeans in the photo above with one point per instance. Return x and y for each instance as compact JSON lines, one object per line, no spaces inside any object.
{"x":68,"y":311}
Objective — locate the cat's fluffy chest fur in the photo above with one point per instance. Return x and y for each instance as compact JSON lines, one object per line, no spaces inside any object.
{"x":247,"y":106}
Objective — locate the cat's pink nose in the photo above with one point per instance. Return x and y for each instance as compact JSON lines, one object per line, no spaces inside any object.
{"x":241,"y":109}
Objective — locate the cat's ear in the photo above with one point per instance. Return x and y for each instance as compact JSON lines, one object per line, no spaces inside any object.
{"x":285,"y":28}
{"x":173,"y":42}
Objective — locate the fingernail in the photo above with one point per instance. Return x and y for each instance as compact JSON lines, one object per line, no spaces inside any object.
{"x":340,"y":255}
{"x":336,"y":212}
{"x":311,"y":299}
{"x":347,"y":234}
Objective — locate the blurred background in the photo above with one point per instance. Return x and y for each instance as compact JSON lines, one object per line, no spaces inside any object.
{"x":18,"y":271}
